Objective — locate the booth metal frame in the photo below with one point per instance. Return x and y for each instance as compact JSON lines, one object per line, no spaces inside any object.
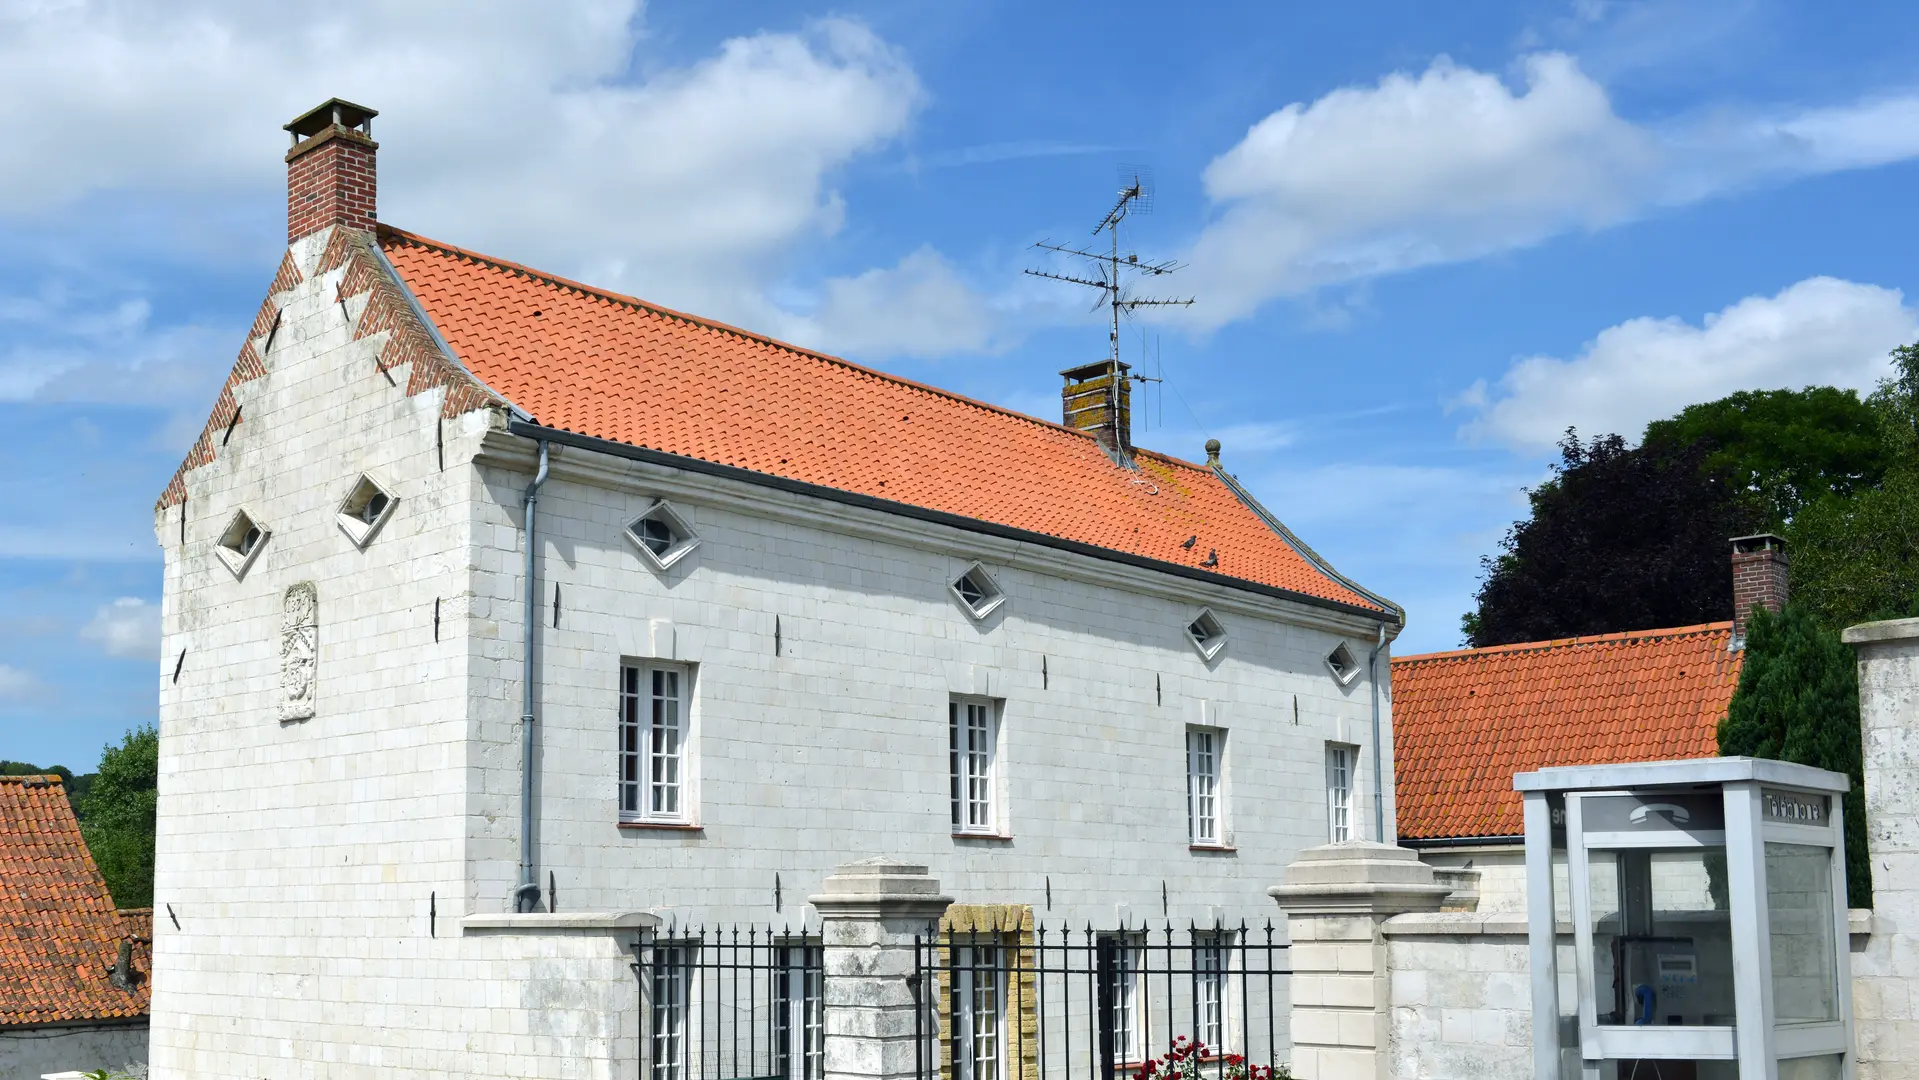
{"x":1763,"y":801}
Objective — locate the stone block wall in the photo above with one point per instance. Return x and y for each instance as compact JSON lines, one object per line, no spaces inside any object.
{"x":1885,"y":964}
{"x":1461,"y":996}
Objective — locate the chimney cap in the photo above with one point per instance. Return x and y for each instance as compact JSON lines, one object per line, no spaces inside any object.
{"x":328,"y":113}
{"x":1096,"y":368}
{"x":1747,"y":545}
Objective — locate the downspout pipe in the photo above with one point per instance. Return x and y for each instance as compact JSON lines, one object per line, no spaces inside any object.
{"x":527,"y":896}
{"x":1379,"y":772}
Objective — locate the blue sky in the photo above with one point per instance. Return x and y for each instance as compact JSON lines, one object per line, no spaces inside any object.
{"x":1424,"y":238}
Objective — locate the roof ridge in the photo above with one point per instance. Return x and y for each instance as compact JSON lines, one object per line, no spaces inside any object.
{"x":34,"y":779}
{"x":1569,"y":642}
{"x":765,"y":339}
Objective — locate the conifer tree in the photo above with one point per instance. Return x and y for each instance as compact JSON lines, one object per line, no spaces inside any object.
{"x":1798,"y":700}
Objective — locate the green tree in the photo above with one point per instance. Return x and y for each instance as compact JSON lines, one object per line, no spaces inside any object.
{"x":1857,"y":559}
{"x":1785,"y":449}
{"x":1798,"y":700}
{"x":76,"y":786}
{"x":1619,"y":539}
{"x":118,"y":821}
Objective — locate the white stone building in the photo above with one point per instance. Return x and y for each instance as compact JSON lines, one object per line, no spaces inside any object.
{"x":784,"y":612}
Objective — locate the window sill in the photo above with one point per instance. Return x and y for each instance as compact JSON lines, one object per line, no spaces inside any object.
{"x":1218,"y":849}
{"x":991,"y":838}
{"x":663,"y":826}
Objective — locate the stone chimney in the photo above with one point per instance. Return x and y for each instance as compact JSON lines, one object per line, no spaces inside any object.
{"x":1758,"y":579}
{"x":1098,"y":398}
{"x":330,"y":175}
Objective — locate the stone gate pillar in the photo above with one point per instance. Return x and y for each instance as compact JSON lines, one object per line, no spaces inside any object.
{"x":870,"y":913}
{"x":1336,"y":897}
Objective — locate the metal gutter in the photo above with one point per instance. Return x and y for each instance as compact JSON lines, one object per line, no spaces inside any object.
{"x":1463,"y":842}
{"x":561,"y":437}
{"x":527,"y":896}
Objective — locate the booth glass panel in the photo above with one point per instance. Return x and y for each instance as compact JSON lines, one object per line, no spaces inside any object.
{"x":1805,"y":979}
{"x":1662,"y":937}
{"x":1820,"y":1067}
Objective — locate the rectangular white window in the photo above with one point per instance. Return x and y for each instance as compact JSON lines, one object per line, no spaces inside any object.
{"x":1209,"y":989}
{"x":979,"y":1012}
{"x":1129,"y":1011}
{"x":972,"y":734}
{"x":1203,"y":751}
{"x":1339,"y":792}
{"x":798,"y":1012}
{"x":672,"y":980}
{"x":655,"y":781}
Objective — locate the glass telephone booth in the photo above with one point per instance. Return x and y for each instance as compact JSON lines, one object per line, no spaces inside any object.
{"x":1687,"y":921}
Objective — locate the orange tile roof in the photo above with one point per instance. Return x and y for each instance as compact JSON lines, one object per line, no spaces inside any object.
{"x":59,"y":932}
{"x":1464,"y":722}
{"x":619,"y":369}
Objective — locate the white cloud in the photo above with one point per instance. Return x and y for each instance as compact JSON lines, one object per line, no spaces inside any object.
{"x":128,"y":627}
{"x":1818,"y":331}
{"x":1454,"y":164}
{"x":917,"y":308}
{"x":17,"y":685}
{"x":515,"y":128}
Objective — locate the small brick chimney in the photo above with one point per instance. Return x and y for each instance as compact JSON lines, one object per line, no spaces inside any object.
{"x":330,"y":174}
{"x":1758,"y":579}
{"x":1098,"y":398}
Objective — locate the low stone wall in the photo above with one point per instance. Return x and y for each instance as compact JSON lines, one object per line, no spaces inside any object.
{"x":1461,"y":996}
{"x":30,"y":1053}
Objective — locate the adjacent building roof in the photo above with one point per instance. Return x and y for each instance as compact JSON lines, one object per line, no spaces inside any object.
{"x":59,"y":932}
{"x":615,"y":368}
{"x":1465,"y":722}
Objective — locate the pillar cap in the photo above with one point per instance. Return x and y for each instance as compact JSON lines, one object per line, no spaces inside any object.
{"x":1886,"y":630}
{"x":1358,"y":876}
{"x":878,"y":887}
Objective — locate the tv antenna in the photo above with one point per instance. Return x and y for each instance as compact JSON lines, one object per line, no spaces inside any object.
{"x":1135,"y":197}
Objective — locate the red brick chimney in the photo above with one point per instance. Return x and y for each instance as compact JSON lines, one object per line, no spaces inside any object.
{"x":1098,"y":398}
{"x":1758,"y":579}
{"x":330,"y":175}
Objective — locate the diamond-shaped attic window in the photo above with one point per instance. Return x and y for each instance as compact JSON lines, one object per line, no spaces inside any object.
{"x":977,"y":592}
{"x":1341,"y":663}
{"x":662,"y":534}
{"x":1206,"y":634}
{"x":366,"y":508}
{"x":240,"y":542}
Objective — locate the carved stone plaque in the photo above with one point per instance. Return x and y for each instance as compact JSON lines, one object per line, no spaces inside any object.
{"x":299,"y":650}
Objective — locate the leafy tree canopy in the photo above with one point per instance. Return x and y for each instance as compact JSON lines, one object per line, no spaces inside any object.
{"x":118,"y":821}
{"x":1783,"y":448}
{"x":1619,"y":539}
{"x":1798,"y":700}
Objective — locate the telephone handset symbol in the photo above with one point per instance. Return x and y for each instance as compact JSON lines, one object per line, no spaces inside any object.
{"x":1678,"y":815}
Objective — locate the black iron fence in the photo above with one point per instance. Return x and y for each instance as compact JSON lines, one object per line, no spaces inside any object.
{"x":1055,"y":1004}
{"x":730,"y":1004}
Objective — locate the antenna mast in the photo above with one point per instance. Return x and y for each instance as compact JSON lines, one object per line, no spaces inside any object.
{"x":1135,"y":197}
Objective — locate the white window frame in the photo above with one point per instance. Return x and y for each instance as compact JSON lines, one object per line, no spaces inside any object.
{"x":677,"y":524}
{"x":991,"y":596}
{"x":1130,"y":1014}
{"x":1205,"y":786}
{"x":658,"y":778}
{"x":973,"y":766}
{"x":670,"y":1009}
{"x":803,"y":1012}
{"x":1213,"y":637}
{"x":1212,"y":989}
{"x":979,"y":1012}
{"x":1342,"y":776}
